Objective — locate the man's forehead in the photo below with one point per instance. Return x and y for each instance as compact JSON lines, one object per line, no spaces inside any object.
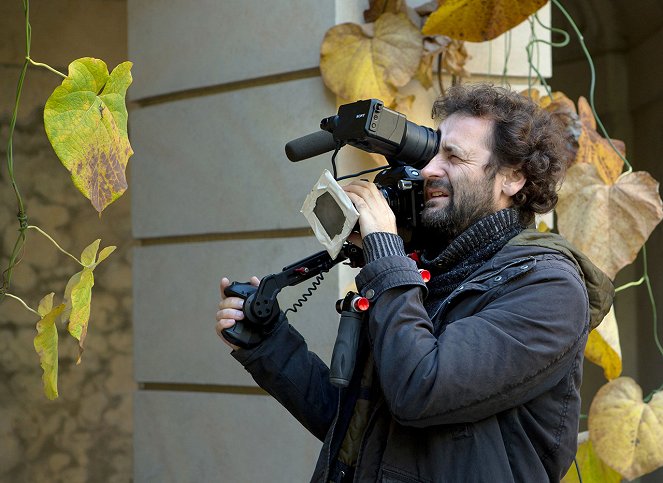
{"x":464,"y":131}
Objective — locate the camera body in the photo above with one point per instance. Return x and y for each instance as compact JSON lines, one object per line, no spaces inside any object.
{"x":403,"y":188}
{"x":370,"y":126}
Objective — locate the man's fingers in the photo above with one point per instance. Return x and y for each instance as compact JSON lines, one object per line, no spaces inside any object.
{"x":365,"y":190}
{"x":230,"y":314}
{"x":225,"y":283}
{"x":232,"y":303}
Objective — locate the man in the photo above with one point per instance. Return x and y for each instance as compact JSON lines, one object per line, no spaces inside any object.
{"x":476,"y":376}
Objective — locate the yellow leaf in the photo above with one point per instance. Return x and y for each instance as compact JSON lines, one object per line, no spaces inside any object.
{"x":592,"y":468}
{"x":104,"y":253}
{"x":90,"y":253}
{"x":46,"y":344}
{"x":609,"y":223}
{"x":78,"y":296}
{"x":46,"y":304}
{"x":627,"y":433}
{"x":357,"y":65}
{"x":86,"y":122}
{"x":479,"y":20}
{"x":603,"y":347}
{"x":542,"y":227}
{"x":595,"y":149}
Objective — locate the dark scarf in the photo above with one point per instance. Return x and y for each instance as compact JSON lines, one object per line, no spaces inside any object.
{"x":467,"y":253}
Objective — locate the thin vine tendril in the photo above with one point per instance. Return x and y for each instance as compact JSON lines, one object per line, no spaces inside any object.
{"x":645,"y":278}
{"x":36,"y":228}
{"x":507,"y":54}
{"x":22,"y":216}
{"x":46,"y":66}
{"x":592,"y":84}
{"x":24,"y":304}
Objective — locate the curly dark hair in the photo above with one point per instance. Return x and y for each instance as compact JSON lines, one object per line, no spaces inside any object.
{"x":525,"y":137}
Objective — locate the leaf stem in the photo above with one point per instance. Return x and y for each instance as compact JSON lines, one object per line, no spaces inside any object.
{"x":652,"y":300}
{"x":24,"y":304}
{"x":46,"y":66}
{"x":55,"y":243}
{"x":630,"y":284}
{"x":507,"y":54}
{"x":651,"y":394}
{"x":592,"y":83}
{"x":528,"y":49}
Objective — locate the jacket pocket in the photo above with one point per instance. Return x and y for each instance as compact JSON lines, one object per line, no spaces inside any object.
{"x":388,"y":475}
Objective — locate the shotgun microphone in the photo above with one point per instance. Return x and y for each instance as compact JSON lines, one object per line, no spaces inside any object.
{"x":310,"y":145}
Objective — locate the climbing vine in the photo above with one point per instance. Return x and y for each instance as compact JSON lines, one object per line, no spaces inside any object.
{"x":606,"y":209}
{"x":85,"y":120}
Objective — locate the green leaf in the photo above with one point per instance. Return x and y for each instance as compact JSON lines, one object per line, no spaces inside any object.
{"x":78,"y":294}
{"x":78,"y":297}
{"x":86,"y":122}
{"x":90,"y":253}
{"x":46,"y":304}
{"x":104,"y":253}
{"x":46,"y":344}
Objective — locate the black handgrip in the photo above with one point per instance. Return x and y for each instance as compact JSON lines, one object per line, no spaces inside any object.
{"x":243,"y":334}
{"x":345,"y":349}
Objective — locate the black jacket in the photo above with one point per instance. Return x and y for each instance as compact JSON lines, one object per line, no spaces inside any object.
{"x":485,"y":390}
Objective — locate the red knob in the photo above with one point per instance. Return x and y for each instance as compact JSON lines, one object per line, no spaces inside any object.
{"x":360,"y":304}
{"x":425,"y":275}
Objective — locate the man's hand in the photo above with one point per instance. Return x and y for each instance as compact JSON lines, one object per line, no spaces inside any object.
{"x":375,"y":215}
{"x":230,"y":310}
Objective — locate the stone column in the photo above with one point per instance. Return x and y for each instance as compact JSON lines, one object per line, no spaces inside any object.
{"x":219,"y":89}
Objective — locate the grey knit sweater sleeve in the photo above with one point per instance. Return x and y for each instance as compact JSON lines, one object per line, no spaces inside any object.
{"x":382,"y":244}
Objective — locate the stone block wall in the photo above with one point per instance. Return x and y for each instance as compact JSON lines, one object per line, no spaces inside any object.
{"x":86,"y":434}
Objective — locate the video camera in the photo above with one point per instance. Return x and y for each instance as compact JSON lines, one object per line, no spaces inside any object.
{"x":370,"y":126}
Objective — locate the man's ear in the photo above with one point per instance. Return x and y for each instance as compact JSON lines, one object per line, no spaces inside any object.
{"x":512,"y":181}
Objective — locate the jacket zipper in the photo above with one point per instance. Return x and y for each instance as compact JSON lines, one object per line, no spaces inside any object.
{"x":331,"y":437}
{"x":370,"y":424}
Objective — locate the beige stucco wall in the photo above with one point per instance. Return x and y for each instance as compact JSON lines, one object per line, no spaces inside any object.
{"x":85,"y":435}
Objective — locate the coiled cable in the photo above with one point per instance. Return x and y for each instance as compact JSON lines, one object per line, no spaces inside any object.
{"x":309,"y":292}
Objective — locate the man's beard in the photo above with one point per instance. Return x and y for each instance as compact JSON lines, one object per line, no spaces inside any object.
{"x":468,"y":203}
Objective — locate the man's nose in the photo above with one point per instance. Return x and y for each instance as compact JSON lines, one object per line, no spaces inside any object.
{"x":434,"y":168}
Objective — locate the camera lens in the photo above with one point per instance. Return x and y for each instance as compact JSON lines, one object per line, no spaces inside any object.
{"x":419,"y":145}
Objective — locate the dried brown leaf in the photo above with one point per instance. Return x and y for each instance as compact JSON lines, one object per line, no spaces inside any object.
{"x":609,"y":223}
{"x":455,"y":57}
{"x":378,"y":7}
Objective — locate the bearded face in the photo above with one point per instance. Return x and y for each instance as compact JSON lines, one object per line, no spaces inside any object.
{"x":460,"y":188}
{"x":465,"y":201}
